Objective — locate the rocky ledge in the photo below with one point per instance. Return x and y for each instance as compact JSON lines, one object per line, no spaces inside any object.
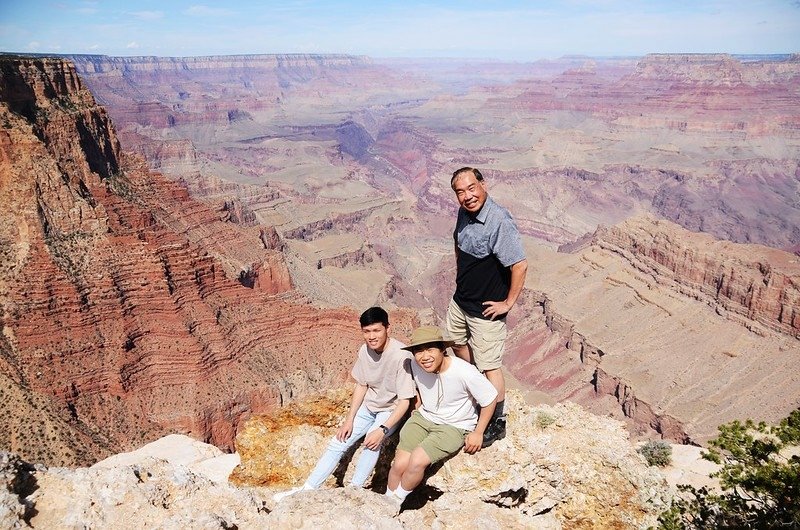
{"x":558,"y":467}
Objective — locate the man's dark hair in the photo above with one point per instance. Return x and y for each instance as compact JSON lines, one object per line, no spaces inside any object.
{"x":457,"y":173}
{"x":373,"y":315}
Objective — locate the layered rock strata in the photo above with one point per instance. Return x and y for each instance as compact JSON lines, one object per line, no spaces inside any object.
{"x":265,"y":77}
{"x":747,"y":283}
{"x":639,"y":326}
{"x":123,"y":317}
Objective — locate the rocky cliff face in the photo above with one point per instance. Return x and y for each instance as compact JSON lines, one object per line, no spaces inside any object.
{"x":754,"y":285}
{"x":123,"y":316}
{"x":673,"y":330}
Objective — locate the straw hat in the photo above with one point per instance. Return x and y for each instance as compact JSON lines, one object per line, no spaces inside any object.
{"x":427,"y":335}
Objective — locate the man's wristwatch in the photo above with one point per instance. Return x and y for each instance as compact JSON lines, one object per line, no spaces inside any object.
{"x":385,"y":429}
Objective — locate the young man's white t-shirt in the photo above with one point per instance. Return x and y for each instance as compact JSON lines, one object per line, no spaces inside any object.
{"x":452,"y":396}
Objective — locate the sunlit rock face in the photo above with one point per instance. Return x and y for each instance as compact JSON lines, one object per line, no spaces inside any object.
{"x":674,"y":331}
{"x":756,"y":285}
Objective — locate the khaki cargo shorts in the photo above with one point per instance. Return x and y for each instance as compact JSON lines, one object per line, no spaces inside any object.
{"x":487,"y":338}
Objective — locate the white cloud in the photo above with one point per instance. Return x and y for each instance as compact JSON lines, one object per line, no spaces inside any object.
{"x":205,"y":11}
{"x":33,"y":46}
{"x":94,"y":47}
{"x":132,"y":45}
{"x":147,"y":15}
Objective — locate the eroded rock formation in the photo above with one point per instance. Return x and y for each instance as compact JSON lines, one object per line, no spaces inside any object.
{"x":122,"y":314}
{"x":676,"y":331}
{"x":757,"y":283}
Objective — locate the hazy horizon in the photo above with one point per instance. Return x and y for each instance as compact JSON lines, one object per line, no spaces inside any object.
{"x":512,"y":31}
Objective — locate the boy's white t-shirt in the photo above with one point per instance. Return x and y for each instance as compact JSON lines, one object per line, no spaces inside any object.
{"x":452,"y":396}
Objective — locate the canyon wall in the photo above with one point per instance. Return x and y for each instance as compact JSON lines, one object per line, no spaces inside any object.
{"x":758,"y":284}
{"x":105,"y":64}
{"x":672,"y":330}
{"x":173,"y":91}
{"x":123,"y":314}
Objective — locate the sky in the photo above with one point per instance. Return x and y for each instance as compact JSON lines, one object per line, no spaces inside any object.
{"x":510,"y":30}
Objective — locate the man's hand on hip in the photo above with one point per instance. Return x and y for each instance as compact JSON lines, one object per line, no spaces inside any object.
{"x":495,"y":309}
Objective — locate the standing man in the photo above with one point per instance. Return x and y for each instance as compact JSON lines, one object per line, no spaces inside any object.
{"x":381,"y":397}
{"x":490,"y":273}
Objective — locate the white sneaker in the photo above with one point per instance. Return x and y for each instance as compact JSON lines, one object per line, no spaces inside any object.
{"x":283,"y":494}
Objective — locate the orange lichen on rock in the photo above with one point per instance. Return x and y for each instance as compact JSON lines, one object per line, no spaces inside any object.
{"x":267,"y":444}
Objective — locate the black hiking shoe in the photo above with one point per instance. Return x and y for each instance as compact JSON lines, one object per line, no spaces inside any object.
{"x":496,"y":430}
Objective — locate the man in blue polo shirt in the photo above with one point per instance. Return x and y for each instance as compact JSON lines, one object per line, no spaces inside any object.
{"x":490,"y":273}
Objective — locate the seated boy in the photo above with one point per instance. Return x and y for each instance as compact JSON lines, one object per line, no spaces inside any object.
{"x":381,"y":396}
{"x":446,"y":419}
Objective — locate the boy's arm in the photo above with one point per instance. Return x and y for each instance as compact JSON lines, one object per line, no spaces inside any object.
{"x":359,"y":391}
{"x":474,"y":440}
{"x":374,"y":439}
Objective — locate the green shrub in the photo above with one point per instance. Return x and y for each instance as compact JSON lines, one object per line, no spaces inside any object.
{"x":544,"y":419}
{"x":657,"y":453}
{"x":759,"y":479}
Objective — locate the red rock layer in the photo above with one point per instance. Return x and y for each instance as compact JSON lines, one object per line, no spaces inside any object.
{"x":750,"y":282}
{"x":694,"y":92}
{"x":121,"y":309}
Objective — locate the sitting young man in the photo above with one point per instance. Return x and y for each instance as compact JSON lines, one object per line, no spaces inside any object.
{"x":381,"y":398}
{"x":450,"y":390}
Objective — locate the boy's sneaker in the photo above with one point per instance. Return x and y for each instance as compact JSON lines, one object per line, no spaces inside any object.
{"x":496,"y":430}
{"x":283,"y":494}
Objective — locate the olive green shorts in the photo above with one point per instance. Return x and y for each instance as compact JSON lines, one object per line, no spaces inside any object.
{"x":438,"y":441}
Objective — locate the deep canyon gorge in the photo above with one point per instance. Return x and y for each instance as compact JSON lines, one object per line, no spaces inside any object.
{"x":187,"y":242}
